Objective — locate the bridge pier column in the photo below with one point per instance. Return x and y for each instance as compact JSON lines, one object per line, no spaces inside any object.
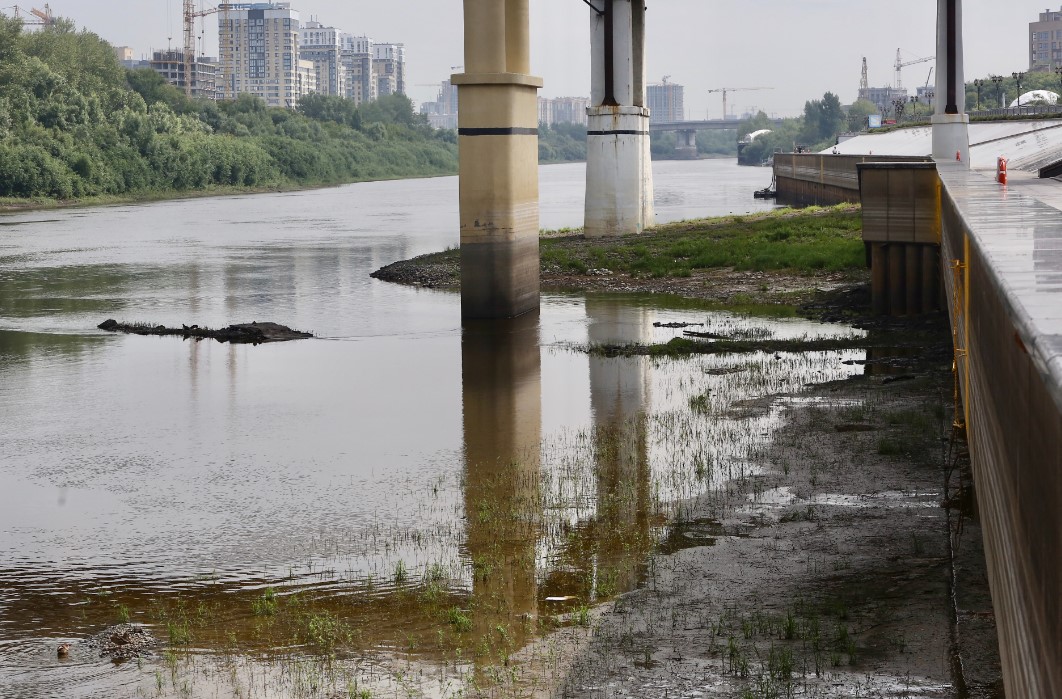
{"x":686,"y":148}
{"x":950,"y":122}
{"x":498,"y":145}
{"x":619,"y":175}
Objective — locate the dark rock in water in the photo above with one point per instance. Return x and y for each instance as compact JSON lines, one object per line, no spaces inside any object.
{"x":123,"y":642}
{"x":243,"y":333}
{"x":677,"y":325}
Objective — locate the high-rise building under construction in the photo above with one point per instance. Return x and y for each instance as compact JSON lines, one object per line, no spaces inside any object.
{"x":666,"y":102}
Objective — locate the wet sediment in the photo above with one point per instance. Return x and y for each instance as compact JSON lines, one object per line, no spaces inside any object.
{"x":442,"y":271}
{"x":844,"y":565}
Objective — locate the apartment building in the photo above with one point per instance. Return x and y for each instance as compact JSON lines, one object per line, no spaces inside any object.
{"x":322,"y":46}
{"x":356,"y":56}
{"x":442,"y":113}
{"x":389,"y":69}
{"x":259,"y":47}
{"x":306,"y":79}
{"x":562,"y":110}
{"x":1045,"y":41}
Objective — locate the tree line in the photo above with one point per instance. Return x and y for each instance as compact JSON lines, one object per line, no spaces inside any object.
{"x":74,"y":123}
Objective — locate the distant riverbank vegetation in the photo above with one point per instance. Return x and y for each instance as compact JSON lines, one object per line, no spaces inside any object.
{"x":566,"y":143}
{"x":815,"y":130}
{"x":75,"y":124}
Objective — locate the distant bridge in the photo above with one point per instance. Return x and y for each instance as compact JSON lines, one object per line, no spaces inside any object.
{"x":687,"y":131}
{"x":707,"y":125}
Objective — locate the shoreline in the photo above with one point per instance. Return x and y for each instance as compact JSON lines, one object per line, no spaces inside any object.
{"x":18,"y":206}
{"x":10,"y":205}
{"x":822,"y":569}
{"x":571,"y":262}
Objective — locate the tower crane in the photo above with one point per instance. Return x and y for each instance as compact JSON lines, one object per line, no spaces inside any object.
{"x":190,"y":16}
{"x":725,"y":90}
{"x":43,"y":18}
{"x":900,"y":64}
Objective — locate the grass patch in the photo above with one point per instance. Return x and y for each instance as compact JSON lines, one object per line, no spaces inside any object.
{"x":266,"y":604}
{"x":805,"y":242}
{"x":684,"y":347}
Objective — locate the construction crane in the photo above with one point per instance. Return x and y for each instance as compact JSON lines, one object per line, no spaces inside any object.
{"x":43,"y":18}
{"x":190,"y":16}
{"x":901,"y":64}
{"x":864,"y":81}
{"x":725,"y":90}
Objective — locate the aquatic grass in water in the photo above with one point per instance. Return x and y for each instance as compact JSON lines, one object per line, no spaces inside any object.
{"x":586,"y":520}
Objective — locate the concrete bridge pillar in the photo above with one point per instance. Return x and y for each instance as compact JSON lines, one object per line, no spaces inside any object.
{"x":686,"y":147}
{"x":498,"y":145}
{"x":619,"y":176}
{"x":950,"y":122}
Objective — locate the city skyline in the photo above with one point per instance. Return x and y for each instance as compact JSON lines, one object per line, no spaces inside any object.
{"x":800,"y":49}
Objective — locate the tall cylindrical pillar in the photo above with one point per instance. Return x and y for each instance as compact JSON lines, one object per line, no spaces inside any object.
{"x":517,"y":37}
{"x":498,"y":144}
{"x":619,"y":179}
{"x":951,"y":137}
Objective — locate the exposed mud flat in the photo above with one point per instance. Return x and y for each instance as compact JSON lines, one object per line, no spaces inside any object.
{"x":825,"y":573}
{"x":442,"y":270}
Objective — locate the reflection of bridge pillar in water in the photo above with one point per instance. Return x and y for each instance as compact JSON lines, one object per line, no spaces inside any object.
{"x":501,"y":379}
{"x":619,"y":174}
{"x":619,"y":397}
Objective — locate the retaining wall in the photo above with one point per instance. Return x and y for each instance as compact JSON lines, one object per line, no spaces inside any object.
{"x":816,"y":179}
{"x":1002,"y":254}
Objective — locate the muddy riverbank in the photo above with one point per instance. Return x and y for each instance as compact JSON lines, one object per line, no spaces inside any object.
{"x":721,"y":261}
{"x":827,"y":570}
{"x":842,"y":560}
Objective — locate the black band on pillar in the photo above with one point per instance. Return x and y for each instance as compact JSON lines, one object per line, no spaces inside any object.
{"x":503,"y":131}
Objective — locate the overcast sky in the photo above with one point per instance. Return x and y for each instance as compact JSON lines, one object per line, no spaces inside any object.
{"x":801,"y":48}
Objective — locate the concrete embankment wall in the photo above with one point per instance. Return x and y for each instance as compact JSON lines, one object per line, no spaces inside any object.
{"x":1002,"y":254}
{"x":901,"y":228}
{"x":814,"y":179}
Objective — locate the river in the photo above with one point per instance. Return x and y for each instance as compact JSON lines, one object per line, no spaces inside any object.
{"x":142,"y":473}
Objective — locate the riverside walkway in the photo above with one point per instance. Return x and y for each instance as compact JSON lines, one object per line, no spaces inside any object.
{"x":1002,"y":253}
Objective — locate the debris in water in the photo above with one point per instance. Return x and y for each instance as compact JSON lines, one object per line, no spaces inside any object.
{"x":244,"y":333}
{"x":123,"y":642}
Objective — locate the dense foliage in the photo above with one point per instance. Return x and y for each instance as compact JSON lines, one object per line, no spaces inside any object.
{"x":823,"y":120}
{"x":74,"y":123}
{"x":997,"y":96}
{"x":561,"y":143}
{"x":709,"y":143}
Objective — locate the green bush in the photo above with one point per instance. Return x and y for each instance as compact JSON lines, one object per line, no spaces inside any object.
{"x":74,"y":123}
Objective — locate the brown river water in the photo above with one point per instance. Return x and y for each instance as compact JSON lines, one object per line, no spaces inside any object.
{"x":397,"y":492}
